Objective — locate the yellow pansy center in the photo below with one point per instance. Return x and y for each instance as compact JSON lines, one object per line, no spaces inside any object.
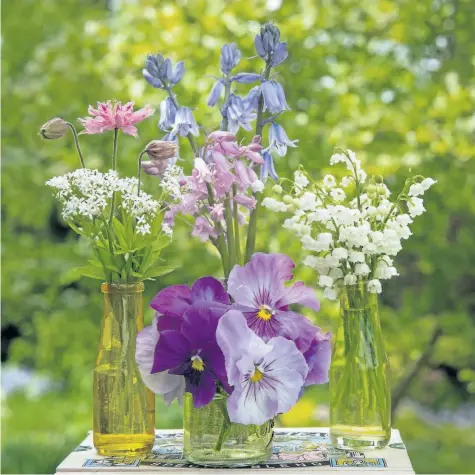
{"x":197,"y":363}
{"x":257,"y":376}
{"x":265,"y":312}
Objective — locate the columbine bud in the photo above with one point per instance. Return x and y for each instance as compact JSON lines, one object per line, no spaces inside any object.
{"x":277,"y":189}
{"x":54,"y":129}
{"x":161,"y":150}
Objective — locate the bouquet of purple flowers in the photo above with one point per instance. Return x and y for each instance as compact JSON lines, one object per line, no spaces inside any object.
{"x":245,"y":341}
{"x":241,"y":338}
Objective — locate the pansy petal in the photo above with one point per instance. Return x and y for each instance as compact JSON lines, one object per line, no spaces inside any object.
{"x":301,"y":294}
{"x":318,"y":358}
{"x":160,"y":383}
{"x":200,"y":322}
{"x":235,"y":340}
{"x":167,"y":322}
{"x":252,"y":404}
{"x":203,"y":393}
{"x":260,"y":281}
{"x":172,"y":350}
{"x":209,"y":288}
{"x":173,"y":300}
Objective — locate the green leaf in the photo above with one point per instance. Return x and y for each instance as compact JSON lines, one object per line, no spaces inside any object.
{"x":90,"y":271}
{"x":157,"y":271}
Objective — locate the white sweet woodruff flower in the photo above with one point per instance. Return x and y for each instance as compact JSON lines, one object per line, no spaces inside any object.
{"x":86,"y":194}
{"x":351,"y":238}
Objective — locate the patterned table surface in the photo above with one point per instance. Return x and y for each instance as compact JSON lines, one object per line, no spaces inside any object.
{"x":305,"y":450}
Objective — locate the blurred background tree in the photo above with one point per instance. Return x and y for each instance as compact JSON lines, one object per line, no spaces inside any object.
{"x":393,"y":81}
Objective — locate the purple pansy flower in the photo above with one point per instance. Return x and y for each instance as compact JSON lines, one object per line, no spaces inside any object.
{"x":174,"y":301}
{"x":267,"y":377}
{"x":318,"y":358}
{"x":193,"y":352}
{"x":171,"y":386}
{"x":259,"y":293}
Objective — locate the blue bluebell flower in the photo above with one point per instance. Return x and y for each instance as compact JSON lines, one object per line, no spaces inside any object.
{"x":268,"y":46}
{"x":215,"y":93}
{"x":160,"y":72}
{"x":230,"y":57}
{"x":185,"y":123}
{"x":274,"y":97}
{"x":278,"y":139}
{"x":167,"y":114}
{"x":252,"y":98}
{"x":246,"y":78}
{"x":239,"y":114}
{"x":268,"y":168}
{"x":280,"y":54}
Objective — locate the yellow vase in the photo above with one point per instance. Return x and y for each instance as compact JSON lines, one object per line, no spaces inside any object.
{"x":123,"y":408}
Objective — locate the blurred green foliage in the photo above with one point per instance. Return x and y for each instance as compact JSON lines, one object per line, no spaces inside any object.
{"x":393,"y":81}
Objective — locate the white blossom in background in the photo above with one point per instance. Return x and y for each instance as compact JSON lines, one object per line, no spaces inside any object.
{"x":352,"y":228}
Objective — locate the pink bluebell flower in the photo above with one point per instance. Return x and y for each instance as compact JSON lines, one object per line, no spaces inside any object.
{"x":258,"y":291}
{"x":267,"y":378}
{"x":112,"y":115}
{"x":203,"y":229}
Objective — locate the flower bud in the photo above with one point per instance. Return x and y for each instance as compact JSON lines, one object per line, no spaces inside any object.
{"x":381,"y":190}
{"x":161,"y":150}
{"x":54,"y":129}
{"x":287,"y":199}
{"x":371,"y":189}
{"x":277,"y":189}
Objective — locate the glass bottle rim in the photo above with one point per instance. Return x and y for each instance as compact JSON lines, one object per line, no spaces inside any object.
{"x":108,"y":288}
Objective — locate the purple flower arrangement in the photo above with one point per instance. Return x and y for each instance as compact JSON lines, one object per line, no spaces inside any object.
{"x":224,"y":190}
{"x":244,"y":341}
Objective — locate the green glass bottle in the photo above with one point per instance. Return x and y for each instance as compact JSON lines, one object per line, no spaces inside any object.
{"x":211,"y":439}
{"x":360,"y":397}
{"x":123,"y":409}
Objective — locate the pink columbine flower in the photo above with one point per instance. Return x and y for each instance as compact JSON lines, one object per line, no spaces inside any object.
{"x":112,"y":115}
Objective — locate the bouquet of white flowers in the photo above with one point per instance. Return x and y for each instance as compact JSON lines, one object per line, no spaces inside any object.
{"x":352,"y":228}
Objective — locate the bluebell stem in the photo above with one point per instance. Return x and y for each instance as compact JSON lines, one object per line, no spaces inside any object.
{"x":185,"y":123}
{"x":230,"y":57}
{"x":167,"y":113}
{"x":268,"y":169}
{"x":274,"y":97}
{"x":239,"y":114}
{"x":160,"y":73}
{"x":278,"y":139}
{"x":216,"y":92}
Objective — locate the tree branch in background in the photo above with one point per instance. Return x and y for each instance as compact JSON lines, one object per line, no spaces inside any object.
{"x":401,"y":390}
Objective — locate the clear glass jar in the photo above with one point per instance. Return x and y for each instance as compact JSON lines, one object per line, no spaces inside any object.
{"x":360,"y":395}
{"x":211,"y":439}
{"x":123,"y":408}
